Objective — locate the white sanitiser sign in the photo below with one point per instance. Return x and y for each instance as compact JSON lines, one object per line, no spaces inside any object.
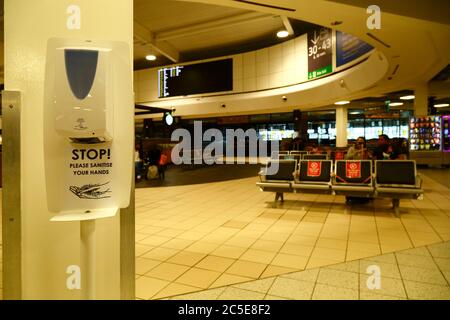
{"x":88,"y":131}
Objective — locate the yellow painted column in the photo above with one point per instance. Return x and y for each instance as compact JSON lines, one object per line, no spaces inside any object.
{"x":50,"y":252}
{"x":421,"y":100}
{"x":341,"y":127}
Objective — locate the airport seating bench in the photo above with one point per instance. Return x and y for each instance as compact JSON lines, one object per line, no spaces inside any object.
{"x":396,"y":179}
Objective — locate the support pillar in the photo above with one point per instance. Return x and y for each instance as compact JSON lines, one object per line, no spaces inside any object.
{"x":341,"y":127}
{"x":421,"y":100}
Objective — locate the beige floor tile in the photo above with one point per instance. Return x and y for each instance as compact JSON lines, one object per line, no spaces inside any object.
{"x":211,"y":294}
{"x":260,"y":256}
{"x":145,"y":265}
{"x":175,"y":289}
{"x":291,"y":289}
{"x":154,"y":240}
{"x":318,"y":262}
{"x":247,"y":269}
{"x":229,"y":279}
{"x":267,"y":245}
{"x":441,"y":250}
{"x":352,"y":266}
{"x":240,"y":241}
{"x":296,"y":249}
{"x":421,"y":251}
{"x":146,"y":287}
{"x":160,"y":254}
{"x":389,"y":248}
{"x":167,"y":271}
{"x":330,"y":254}
{"x":307,"y":275}
{"x":337,"y":278}
{"x":443,"y":264}
{"x":363,"y":246}
{"x":386,"y":269}
{"x":229,"y":251}
{"x":272,"y":270}
{"x":364,"y":295}
{"x":231,"y":293}
{"x":176,"y":243}
{"x":186,"y":258}
{"x":325,"y":292}
{"x":215,"y":263}
{"x":425,"y":291}
{"x":290,"y":261}
{"x":432,"y":276}
{"x":303,"y":240}
{"x":331,"y":243}
{"x":261,"y":286}
{"x":202,"y":247}
{"x":388,"y":286}
{"x":200,"y":278}
{"x":385,"y":258}
{"x":269,"y":297}
{"x":415,"y":261}
{"x":142,"y":249}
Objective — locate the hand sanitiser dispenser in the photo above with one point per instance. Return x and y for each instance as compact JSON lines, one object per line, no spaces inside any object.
{"x":83,"y":94}
{"x":88,"y":128}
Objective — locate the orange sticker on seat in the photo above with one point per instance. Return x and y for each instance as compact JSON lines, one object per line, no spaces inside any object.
{"x":353,"y":169}
{"x":314,"y":168}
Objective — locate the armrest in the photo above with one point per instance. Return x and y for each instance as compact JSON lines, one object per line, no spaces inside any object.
{"x":419,"y":181}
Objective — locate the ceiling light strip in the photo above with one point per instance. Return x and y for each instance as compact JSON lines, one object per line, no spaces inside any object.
{"x":378,"y":40}
{"x":265,"y":5}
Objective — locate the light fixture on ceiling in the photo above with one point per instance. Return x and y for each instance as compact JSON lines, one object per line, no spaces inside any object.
{"x":395,"y":104}
{"x":336,"y":23}
{"x":411,"y":97}
{"x":282,"y":34}
{"x":150,"y":57}
{"x":441,"y":105}
{"x":341,"y":103}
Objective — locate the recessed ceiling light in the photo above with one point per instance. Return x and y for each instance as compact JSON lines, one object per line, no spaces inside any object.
{"x":341,"y":103}
{"x":441,"y":105}
{"x":150,"y":57}
{"x":395,"y":104}
{"x":411,"y":97}
{"x":282,"y":34}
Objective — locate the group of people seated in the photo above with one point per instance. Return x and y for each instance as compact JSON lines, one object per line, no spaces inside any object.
{"x":385,"y":150}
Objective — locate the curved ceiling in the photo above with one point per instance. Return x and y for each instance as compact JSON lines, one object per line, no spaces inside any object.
{"x":416,"y":45}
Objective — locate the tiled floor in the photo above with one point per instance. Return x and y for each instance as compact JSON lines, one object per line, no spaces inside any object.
{"x":228,"y":240}
{"x":418,"y":273}
{"x":200,"y":237}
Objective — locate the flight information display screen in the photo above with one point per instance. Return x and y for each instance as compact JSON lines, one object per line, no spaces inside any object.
{"x":206,"y":77}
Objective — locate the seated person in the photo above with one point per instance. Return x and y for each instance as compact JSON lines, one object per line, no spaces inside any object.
{"x":138,"y":163}
{"x":385,"y":150}
{"x":314,"y":149}
{"x":358,"y":151}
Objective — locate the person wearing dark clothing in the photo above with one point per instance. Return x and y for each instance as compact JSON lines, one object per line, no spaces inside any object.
{"x":384,"y":149}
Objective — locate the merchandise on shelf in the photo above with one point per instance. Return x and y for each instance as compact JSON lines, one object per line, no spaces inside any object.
{"x":425,"y":133}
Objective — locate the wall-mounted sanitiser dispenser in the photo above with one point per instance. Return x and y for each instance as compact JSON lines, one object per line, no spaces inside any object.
{"x":88,"y":128}
{"x":83,"y":104}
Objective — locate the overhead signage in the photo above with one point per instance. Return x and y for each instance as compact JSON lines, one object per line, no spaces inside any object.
{"x":349,"y":48}
{"x":319,"y":53}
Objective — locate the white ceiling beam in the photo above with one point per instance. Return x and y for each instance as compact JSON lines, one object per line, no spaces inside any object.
{"x":147,"y":37}
{"x":211,"y":25}
{"x":287,"y":24}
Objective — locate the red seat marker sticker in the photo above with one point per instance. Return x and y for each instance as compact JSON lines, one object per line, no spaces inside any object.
{"x":314,"y":168}
{"x":353,"y":169}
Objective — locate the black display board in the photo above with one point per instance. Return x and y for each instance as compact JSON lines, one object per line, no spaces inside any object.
{"x":320,"y":52}
{"x":206,"y":77}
